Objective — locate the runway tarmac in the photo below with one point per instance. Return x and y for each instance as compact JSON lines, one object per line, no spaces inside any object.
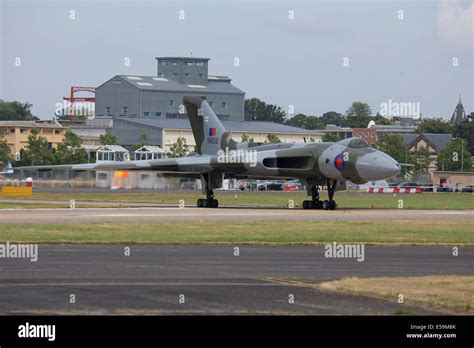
{"x":212,"y":279}
{"x":172,"y":213}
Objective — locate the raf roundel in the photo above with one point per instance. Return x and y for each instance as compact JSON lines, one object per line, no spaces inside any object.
{"x":339,"y":162}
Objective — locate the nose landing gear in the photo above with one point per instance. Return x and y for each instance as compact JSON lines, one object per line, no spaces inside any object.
{"x":315,"y":203}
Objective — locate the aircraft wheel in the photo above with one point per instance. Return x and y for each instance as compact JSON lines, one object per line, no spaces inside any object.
{"x":306,"y":204}
{"x":199,"y":203}
{"x":318,"y":205}
{"x":332,"y":205}
{"x":205,"y":203}
{"x":215,"y":203}
{"x":326,"y":205}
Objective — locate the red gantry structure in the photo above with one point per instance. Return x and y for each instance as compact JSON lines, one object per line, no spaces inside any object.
{"x":73,"y":99}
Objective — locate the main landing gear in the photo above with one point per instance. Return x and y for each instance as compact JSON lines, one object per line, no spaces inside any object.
{"x":315,"y":203}
{"x":208,"y":202}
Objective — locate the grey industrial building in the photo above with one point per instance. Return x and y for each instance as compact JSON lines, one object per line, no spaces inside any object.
{"x":152,"y":105}
{"x":161,"y":96}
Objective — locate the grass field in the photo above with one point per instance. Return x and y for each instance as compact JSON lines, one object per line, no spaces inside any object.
{"x":419,"y":232}
{"x":344,"y":200}
{"x":448,"y":293}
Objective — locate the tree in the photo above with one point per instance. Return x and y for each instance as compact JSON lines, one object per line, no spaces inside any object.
{"x":142,"y":141}
{"x":5,"y":152}
{"x":108,"y":139}
{"x":179,"y":148}
{"x":421,"y":159}
{"x":246,"y":139}
{"x":358,"y":115}
{"x":15,"y":110}
{"x":434,"y":125}
{"x":451,"y":157}
{"x":38,"y":151}
{"x":257,"y":110}
{"x":359,"y":109}
{"x":272,"y":138}
{"x":306,"y":122}
{"x":70,"y":150}
{"x":394,"y":146}
{"x":330,"y":138}
{"x":332,"y":117}
{"x":465,"y":130}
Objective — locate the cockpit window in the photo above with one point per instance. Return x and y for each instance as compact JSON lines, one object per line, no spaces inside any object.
{"x":358,"y":143}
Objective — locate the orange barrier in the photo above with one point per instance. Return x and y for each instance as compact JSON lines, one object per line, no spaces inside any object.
{"x":19,"y":191}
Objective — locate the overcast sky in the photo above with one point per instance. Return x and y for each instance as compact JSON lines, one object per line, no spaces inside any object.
{"x":404,"y":51}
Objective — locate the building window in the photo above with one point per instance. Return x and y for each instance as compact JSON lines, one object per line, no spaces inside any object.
{"x":224,"y":105}
{"x":158,"y":114}
{"x":171,"y":115}
{"x":124,"y":109}
{"x":168,"y":63}
{"x":161,"y":75}
{"x":146,"y":113}
{"x":102,"y":176}
{"x":172,"y":103}
{"x":107,"y":109}
{"x":12,"y":130}
{"x":22,"y":130}
{"x":211,"y":104}
{"x":175,"y":74}
{"x":57,"y":131}
{"x":201,"y":75}
{"x":200,"y":63}
{"x":186,"y":74}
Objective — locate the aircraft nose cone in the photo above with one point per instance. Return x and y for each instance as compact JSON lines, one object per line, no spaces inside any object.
{"x":377,"y":166}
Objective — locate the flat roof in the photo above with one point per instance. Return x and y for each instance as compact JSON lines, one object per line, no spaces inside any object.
{"x":182,"y":58}
{"x":215,"y":85}
{"x":236,"y":126}
{"x":32,"y":124}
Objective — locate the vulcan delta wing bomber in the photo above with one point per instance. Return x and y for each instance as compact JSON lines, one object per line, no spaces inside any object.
{"x":217,"y":157}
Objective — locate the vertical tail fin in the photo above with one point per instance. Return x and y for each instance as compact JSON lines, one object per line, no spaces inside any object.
{"x":209,"y":133}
